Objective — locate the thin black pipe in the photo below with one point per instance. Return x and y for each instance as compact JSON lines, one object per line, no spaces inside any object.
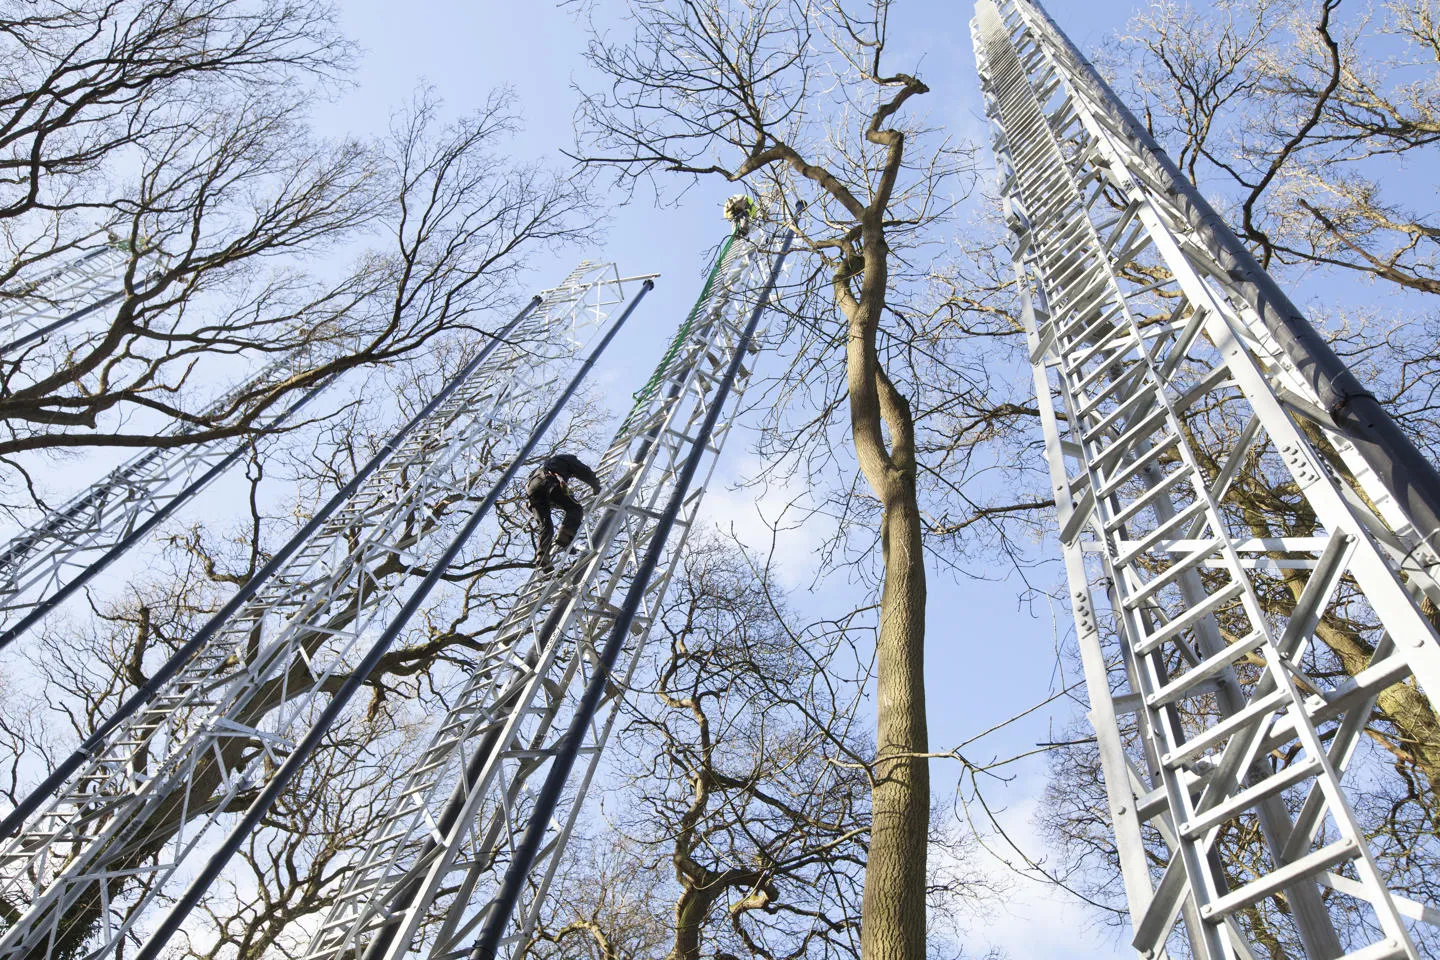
{"x":503,"y":907}
{"x":475,"y":765}
{"x":267,"y":797}
{"x":1406,"y":472}
{"x":96,"y":741}
{"x":182,"y":497}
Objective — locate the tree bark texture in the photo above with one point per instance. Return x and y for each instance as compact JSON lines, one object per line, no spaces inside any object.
{"x":893,"y":911}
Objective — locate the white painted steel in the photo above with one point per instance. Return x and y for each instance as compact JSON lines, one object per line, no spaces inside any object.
{"x":427,"y":880}
{"x":1159,"y":390}
{"x":87,"y":276}
{"x":101,"y":850}
{"x":62,"y":545}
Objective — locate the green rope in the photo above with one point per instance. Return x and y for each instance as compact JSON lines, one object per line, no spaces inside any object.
{"x":643,"y":395}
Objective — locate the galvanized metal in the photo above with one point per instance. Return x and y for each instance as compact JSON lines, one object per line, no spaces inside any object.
{"x":74,"y":542}
{"x":1160,"y":389}
{"x":88,"y":280}
{"x":102,"y":849}
{"x":428,"y":879}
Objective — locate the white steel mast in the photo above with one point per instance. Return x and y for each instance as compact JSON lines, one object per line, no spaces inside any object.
{"x":450,"y":873}
{"x":93,"y":849}
{"x":1169,"y":369}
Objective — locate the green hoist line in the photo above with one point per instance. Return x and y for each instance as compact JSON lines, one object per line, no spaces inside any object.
{"x":643,"y":395}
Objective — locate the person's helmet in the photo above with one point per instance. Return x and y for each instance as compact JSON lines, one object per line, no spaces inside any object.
{"x":739,"y":205}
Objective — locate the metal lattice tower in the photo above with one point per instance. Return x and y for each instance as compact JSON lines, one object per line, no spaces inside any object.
{"x":87,"y":281}
{"x":57,"y":555}
{"x":1163,"y":390}
{"x":430,"y":880}
{"x":98,"y":849}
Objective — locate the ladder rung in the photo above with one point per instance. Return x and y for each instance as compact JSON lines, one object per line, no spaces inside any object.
{"x":1251,"y":796}
{"x":1172,"y":573}
{"x":1150,"y":423}
{"x":1281,"y":877}
{"x":1123,"y":409}
{"x":1132,"y":467}
{"x":1161,"y":532}
{"x":1190,"y":617}
{"x":1205,"y":669}
{"x":1384,"y":950}
{"x":1146,"y":498}
{"x":1125,"y":380}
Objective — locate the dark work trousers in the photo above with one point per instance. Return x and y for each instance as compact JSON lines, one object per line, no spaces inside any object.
{"x":547,"y":493}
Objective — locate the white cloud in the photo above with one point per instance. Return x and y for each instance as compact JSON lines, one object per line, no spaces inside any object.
{"x":752,"y":513}
{"x":1036,"y":919}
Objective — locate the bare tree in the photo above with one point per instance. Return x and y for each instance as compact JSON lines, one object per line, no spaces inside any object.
{"x":1300,"y":115}
{"x":759,"y":805}
{"x":798,"y":100}
{"x":743,"y":802}
{"x":603,"y":905}
{"x":181,"y":128}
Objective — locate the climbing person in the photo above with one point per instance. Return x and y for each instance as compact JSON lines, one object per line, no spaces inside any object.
{"x":741,"y":210}
{"x":116,"y":242}
{"x":546,"y":491}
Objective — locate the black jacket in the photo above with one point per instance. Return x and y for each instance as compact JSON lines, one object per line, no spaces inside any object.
{"x":570,"y":467}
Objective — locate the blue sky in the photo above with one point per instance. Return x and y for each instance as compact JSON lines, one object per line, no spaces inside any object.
{"x":989,"y":655}
{"x":462,"y":50}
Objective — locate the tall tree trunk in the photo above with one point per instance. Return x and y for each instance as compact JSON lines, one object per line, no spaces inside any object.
{"x":893,"y":915}
{"x":892,"y":922}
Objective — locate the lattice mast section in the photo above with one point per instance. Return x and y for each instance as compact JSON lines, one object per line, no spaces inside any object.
{"x":1162,"y":393}
{"x":85,"y":867}
{"x":428,"y":880}
{"x":88,"y":280}
{"x":74,"y":542}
